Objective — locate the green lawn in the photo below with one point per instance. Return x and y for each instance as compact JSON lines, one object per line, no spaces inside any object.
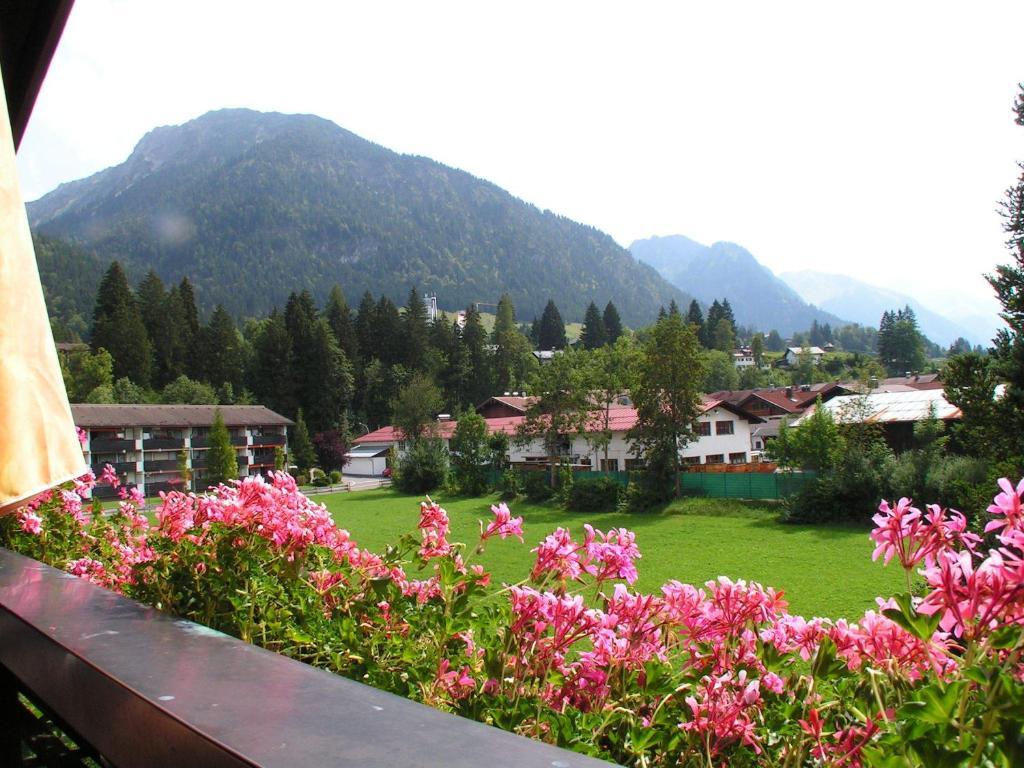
{"x":824,"y":570}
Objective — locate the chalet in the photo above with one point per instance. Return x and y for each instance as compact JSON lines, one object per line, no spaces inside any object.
{"x":792,"y":357}
{"x":895,"y":412}
{"x":743,"y":358}
{"x":514,"y":404}
{"x":776,"y":402}
{"x":150,"y":445}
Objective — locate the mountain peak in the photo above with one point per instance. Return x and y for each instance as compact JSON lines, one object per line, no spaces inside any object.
{"x":253,"y":205}
{"x":728,"y":270}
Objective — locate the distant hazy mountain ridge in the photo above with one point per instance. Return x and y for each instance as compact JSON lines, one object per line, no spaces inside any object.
{"x":865,"y":304}
{"x":251,"y":206}
{"x":726,"y":270}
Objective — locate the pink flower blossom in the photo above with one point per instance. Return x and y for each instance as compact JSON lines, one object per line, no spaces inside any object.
{"x":503,"y":524}
{"x":611,"y":555}
{"x":31,"y":522}
{"x":559,"y":556}
{"x":109,"y":476}
{"x":1007,"y":504}
{"x":433,"y":527}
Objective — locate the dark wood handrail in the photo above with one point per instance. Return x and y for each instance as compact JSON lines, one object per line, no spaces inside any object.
{"x":146,"y":689}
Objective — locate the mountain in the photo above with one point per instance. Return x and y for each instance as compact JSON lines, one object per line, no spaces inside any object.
{"x":251,"y":206}
{"x":864,"y":303}
{"x":725,"y":270}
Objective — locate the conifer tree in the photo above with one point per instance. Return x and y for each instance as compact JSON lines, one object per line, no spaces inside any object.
{"x":190,"y":329}
{"x":695,"y":316}
{"x":326,"y":389}
{"x":271,"y":377}
{"x":301,"y":446}
{"x":551,"y":332}
{"x":339,"y":317}
{"x":1008,"y":282}
{"x":477,"y":384}
{"x":221,"y":462}
{"x":673,"y":308}
{"x":512,"y":356}
{"x":222,"y":352}
{"x":414,"y":332}
{"x":388,"y":343}
{"x":594,"y":335}
{"x":364,"y":327}
{"x":117,"y":327}
{"x":612,"y":322}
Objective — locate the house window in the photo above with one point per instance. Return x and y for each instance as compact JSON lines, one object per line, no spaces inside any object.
{"x":609,"y":465}
{"x":691,"y":460}
{"x":634,"y":464}
{"x":715,"y":458}
{"x":737,"y":458}
{"x":723,"y":428}
{"x":703,"y":428}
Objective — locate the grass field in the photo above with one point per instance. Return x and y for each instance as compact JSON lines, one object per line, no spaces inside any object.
{"x":824,"y":570}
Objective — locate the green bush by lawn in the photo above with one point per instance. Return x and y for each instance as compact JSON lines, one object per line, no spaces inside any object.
{"x":824,"y":570}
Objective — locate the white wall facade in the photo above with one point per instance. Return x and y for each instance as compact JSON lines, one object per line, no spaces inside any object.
{"x":732,"y":448}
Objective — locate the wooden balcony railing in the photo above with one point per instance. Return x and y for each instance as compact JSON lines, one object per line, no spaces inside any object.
{"x":141,"y":688}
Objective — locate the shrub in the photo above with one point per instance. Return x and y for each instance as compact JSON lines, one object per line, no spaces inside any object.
{"x":320,"y":481}
{"x":423,"y":468}
{"x":594,"y":494}
{"x":722,"y":674}
{"x":335,"y":477}
{"x":536,"y":487}
{"x":510,"y":484}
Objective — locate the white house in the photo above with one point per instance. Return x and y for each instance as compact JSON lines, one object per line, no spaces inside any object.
{"x":723,"y":436}
{"x":792,"y":356}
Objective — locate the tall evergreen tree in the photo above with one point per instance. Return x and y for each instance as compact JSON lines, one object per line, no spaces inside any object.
{"x":727,"y":312}
{"x":512,"y":358}
{"x":414,"y":332}
{"x":388,"y":343}
{"x":152,"y":298}
{"x":221,"y":349}
{"x":594,"y":335}
{"x":1008,"y":282}
{"x":364,"y":327}
{"x":695,"y":316}
{"x":612,"y":322}
{"x":326,"y":390}
{"x":301,"y":446}
{"x":551,"y":333}
{"x":221,"y":462}
{"x":190,"y":329}
{"x":271,"y":377}
{"x":339,"y":317}
{"x":477,"y":386}
{"x":673,"y":308}
{"x":117,"y":326}
{"x":715,"y":313}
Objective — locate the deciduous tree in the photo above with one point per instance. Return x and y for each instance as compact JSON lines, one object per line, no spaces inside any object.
{"x":667,"y":392}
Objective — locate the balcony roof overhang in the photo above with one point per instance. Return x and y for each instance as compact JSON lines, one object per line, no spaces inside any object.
{"x":29,"y":33}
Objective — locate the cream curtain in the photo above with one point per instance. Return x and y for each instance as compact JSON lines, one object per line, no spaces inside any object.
{"x":38,"y":445}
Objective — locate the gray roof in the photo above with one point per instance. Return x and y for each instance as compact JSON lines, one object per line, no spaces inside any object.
{"x":88,"y":415}
{"x":886,"y":407}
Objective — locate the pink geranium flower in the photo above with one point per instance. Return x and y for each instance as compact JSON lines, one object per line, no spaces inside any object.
{"x":503,"y":524}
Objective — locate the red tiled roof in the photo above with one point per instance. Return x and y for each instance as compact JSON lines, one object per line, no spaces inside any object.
{"x":445,"y":430}
{"x":621,"y":418}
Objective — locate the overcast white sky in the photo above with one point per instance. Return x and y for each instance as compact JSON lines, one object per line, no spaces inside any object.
{"x":872,"y":139}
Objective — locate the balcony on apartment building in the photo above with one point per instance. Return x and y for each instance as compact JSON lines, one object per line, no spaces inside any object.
{"x":163,"y":443}
{"x":99,"y":443}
